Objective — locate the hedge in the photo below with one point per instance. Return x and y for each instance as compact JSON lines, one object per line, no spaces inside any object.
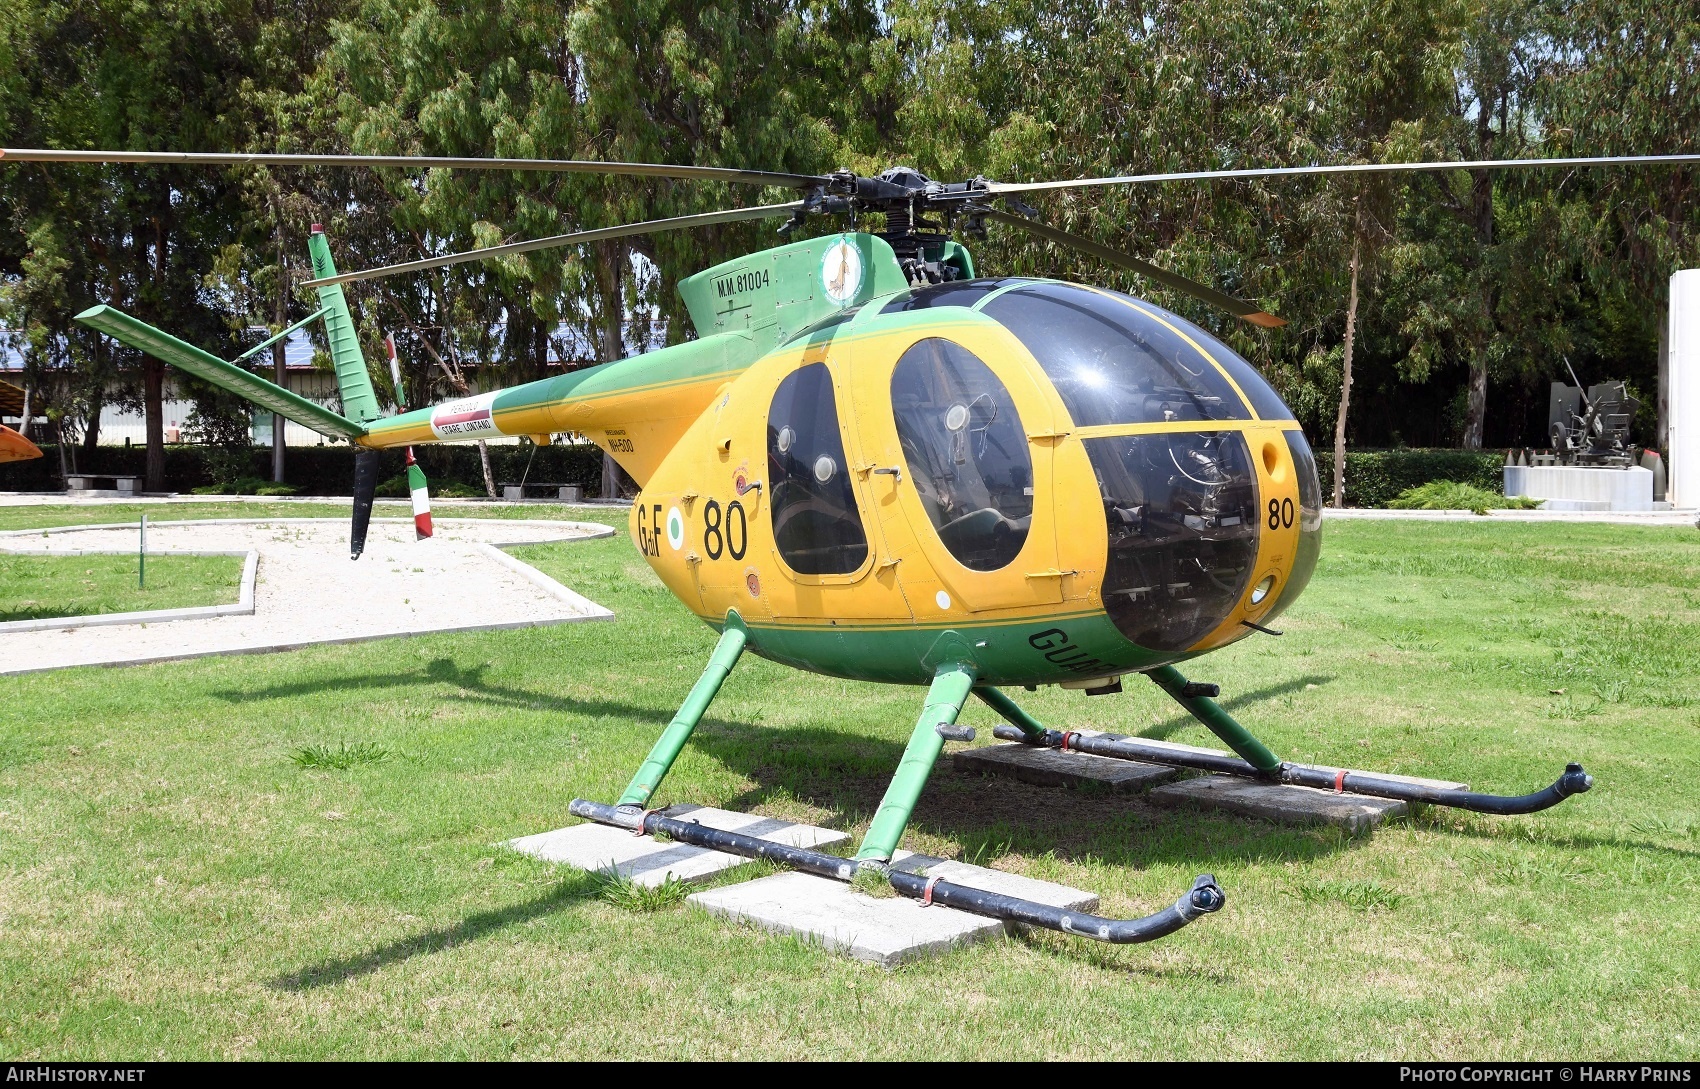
{"x":1375,"y":478}
{"x":323,"y":470}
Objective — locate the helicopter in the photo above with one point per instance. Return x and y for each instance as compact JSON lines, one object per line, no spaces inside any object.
{"x":877,"y":462}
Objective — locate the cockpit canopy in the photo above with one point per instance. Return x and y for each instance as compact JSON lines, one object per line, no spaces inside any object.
{"x":1115,"y":359}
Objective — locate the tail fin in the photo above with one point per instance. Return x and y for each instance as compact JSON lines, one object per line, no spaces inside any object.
{"x":359,"y":402}
{"x":140,"y":335}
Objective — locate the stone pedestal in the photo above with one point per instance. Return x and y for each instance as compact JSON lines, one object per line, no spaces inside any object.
{"x":1579,"y":487}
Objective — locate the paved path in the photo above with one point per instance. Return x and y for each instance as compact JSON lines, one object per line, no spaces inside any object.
{"x":1621,"y":518}
{"x":308,"y":591}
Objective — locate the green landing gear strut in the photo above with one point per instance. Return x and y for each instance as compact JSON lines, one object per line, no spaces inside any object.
{"x":1196,"y":699}
{"x":660,"y":760}
{"x":1255,"y":761}
{"x":949,"y":690}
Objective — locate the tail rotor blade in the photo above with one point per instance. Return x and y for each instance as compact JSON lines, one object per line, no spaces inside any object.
{"x":421,"y":494}
{"x":1237,"y":307}
{"x":367,"y":465}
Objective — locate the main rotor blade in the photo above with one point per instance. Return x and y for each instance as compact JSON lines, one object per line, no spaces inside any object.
{"x":1346,"y":168}
{"x":701,"y":219}
{"x":417,"y":162}
{"x":1237,"y":307}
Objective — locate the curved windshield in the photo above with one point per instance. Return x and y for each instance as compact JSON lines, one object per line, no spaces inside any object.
{"x":816,"y":525}
{"x":1181,"y":511}
{"x":1264,"y":400}
{"x":1115,"y":359}
{"x":965,"y":450}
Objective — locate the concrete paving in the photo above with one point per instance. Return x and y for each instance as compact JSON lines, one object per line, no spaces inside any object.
{"x":1280,"y":803}
{"x":307,"y":591}
{"x":1051,"y":767}
{"x":884,"y":931}
{"x":651,"y":862}
{"x":1680,"y":516}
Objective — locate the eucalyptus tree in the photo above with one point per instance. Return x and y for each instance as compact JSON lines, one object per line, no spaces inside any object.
{"x":1625,"y":79}
{"x":102,"y":74}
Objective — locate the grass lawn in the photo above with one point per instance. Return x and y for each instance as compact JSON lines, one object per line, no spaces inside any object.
{"x":33,"y":587}
{"x":296,"y":855}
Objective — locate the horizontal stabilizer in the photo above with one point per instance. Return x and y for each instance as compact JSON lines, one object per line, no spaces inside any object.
{"x":144,"y":337}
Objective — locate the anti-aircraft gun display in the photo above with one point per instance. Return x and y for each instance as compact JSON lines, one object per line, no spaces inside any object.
{"x":1591,"y":428}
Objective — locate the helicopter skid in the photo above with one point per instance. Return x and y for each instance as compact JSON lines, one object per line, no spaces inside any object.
{"x":1203,"y":898}
{"x":1339,"y":780}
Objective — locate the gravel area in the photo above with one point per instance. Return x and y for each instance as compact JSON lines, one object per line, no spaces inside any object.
{"x":308,"y":591}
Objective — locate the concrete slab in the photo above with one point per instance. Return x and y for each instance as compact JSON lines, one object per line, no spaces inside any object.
{"x":1284,"y":804}
{"x":650,"y":862}
{"x":887,"y":931}
{"x":1050,"y":767}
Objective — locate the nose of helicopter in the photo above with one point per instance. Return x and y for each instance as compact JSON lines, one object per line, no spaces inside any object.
{"x":1209,"y":492}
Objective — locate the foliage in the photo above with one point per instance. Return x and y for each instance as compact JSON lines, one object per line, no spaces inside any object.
{"x":1376,"y":477}
{"x":340,"y":758}
{"x":1452,"y":495}
{"x":1476,"y":285}
{"x":620,"y":891}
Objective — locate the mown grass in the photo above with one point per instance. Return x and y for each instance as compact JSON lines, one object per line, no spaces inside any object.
{"x":172,"y":883}
{"x":37,"y":587}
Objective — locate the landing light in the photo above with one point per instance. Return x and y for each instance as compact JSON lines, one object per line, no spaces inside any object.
{"x":1261,"y":590}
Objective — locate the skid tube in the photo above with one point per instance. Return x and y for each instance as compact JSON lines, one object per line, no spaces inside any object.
{"x":1204,"y":897}
{"x":1339,"y":780}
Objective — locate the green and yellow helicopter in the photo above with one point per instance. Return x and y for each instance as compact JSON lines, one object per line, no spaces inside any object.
{"x":875,"y":462}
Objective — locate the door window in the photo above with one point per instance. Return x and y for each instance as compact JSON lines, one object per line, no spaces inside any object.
{"x":966,"y":452}
{"x":816,"y":524}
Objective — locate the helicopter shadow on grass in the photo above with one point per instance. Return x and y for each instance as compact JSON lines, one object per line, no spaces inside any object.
{"x":472,"y":688}
{"x":846,"y":774}
{"x":572,"y":889}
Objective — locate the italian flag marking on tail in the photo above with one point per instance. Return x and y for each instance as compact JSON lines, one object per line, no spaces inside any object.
{"x":421,"y":498}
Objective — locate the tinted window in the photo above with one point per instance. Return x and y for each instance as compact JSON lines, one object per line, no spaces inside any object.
{"x":966,"y":452}
{"x":1113,"y":362}
{"x":1181,"y":511}
{"x":1264,"y":400}
{"x":960,"y":293}
{"x":816,"y":525}
{"x":1310,"y":524}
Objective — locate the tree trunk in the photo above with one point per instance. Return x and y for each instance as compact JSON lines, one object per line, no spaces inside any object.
{"x":1346,"y":375}
{"x":1481,"y":201}
{"x":91,"y":428}
{"x":29,"y":409}
{"x":484,"y":460}
{"x":1475,"y":407}
{"x":153,"y":397}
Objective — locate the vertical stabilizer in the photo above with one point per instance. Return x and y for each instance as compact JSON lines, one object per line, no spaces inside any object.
{"x":359,"y":402}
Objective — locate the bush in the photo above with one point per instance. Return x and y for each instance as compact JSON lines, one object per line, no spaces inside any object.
{"x":1374,"y":478}
{"x":1451,"y":495}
